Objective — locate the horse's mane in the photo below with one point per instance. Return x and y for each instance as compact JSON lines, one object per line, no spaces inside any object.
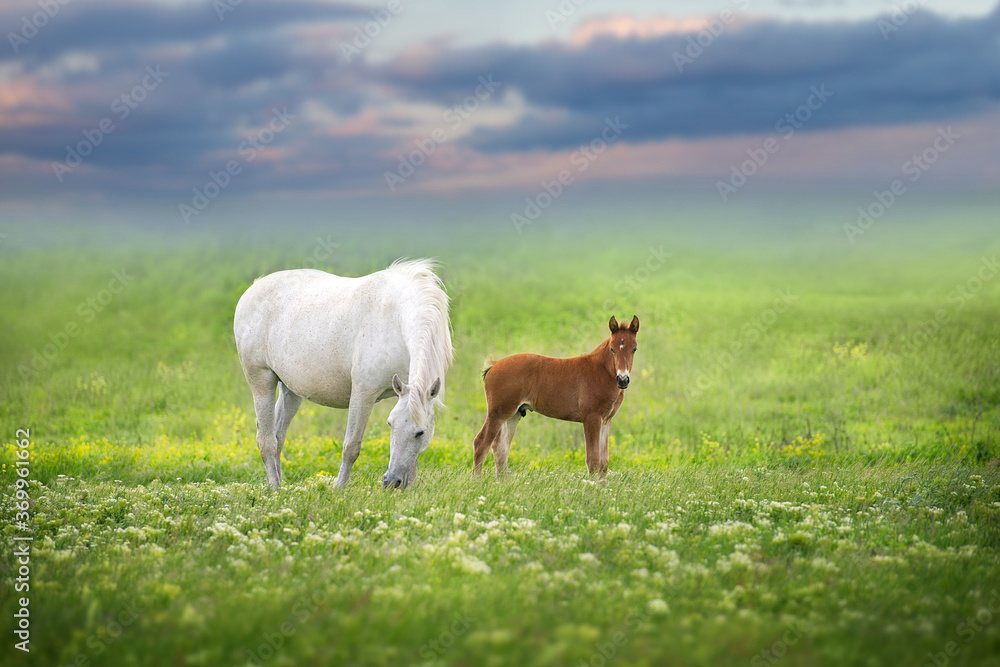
{"x":429,"y":334}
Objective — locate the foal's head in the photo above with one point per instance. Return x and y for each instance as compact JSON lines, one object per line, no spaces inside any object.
{"x":623,"y":346}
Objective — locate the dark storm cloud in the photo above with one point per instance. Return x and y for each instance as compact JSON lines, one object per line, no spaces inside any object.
{"x":225,"y":78}
{"x":743,"y":81}
{"x":221,"y":79}
{"x":87,"y":27}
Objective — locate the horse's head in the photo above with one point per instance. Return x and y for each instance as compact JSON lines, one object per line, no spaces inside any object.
{"x":411,"y":427}
{"x":623,"y":346}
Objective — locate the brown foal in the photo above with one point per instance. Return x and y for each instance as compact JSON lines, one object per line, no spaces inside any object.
{"x":588,"y":389}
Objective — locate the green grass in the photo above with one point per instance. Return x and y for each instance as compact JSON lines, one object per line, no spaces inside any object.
{"x":694,"y":565}
{"x":831,"y":468}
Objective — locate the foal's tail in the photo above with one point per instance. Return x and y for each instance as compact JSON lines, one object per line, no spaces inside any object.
{"x":487,"y":366}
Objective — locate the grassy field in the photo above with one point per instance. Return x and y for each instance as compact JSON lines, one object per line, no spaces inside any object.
{"x":804,"y":470}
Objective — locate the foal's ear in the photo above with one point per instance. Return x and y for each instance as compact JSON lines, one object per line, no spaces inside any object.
{"x":613,"y":324}
{"x":398,"y":386}
{"x":435,"y":388}
{"x":634,"y":326}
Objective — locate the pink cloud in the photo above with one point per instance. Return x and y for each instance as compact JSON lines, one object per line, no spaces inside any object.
{"x":871,"y":153}
{"x":24,"y":102}
{"x":626,"y":26}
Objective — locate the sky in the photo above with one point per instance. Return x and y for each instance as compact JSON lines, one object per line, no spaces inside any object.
{"x":183,"y":104}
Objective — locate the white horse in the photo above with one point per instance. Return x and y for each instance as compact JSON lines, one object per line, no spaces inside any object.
{"x":345,"y":343}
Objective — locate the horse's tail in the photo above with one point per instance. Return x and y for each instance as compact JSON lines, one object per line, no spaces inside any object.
{"x":487,"y":366}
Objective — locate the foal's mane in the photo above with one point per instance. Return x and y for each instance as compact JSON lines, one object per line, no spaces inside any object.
{"x":429,"y":332}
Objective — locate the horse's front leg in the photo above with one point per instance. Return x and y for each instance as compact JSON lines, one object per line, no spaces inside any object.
{"x":592,"y":434}
{"x":411,"y":476}
{"x":358,"y":411}
{"x":605,"y":432}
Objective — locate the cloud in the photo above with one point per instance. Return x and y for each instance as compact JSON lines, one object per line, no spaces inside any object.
{"x":222,"y":81}
{"x":354,"y":119}
{"x":744,"y":80}
{"x":627,"y":26}
{"x":109,"y":26}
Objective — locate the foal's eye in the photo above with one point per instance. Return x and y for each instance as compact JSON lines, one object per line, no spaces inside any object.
{"x":634,"y":349}
{"x":418,"y":434}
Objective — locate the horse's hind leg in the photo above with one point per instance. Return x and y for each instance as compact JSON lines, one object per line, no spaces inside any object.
{"x":489,"y":433}
{"x":262,"y":383}
{"x":288,"y":405}
{"x":501,"y":445}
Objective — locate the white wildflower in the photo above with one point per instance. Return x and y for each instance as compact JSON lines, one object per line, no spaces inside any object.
{"x":657,"y":606}
{"x":471,"y":564}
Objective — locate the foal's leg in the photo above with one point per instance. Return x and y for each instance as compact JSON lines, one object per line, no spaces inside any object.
{"x":592,"y":434}
{"x":262,"y":383}
{"x":489,"y":433}
{"x":605,"y":432}
{"x":501,"y":446}
{"x":358,"y":411}
{"x":288,"y":405}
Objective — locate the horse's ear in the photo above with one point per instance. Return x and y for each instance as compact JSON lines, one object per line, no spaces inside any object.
{"x":398,"y":386}
{"x":634,"y":326}
{"x":613,"y":324}
{"x":435,"y":388}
